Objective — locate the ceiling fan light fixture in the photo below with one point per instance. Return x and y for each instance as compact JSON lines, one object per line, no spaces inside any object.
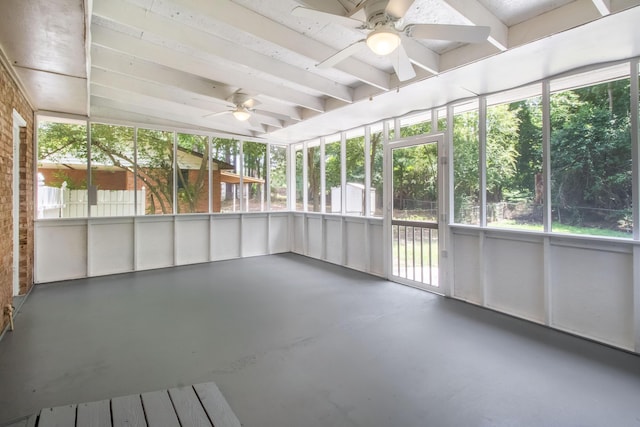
{"x":383,"y":41}
{"x":241,"y":114}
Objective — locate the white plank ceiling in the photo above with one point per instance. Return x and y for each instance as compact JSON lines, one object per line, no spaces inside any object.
{"x":178,"y":62}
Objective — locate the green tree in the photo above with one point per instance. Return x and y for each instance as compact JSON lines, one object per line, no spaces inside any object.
{"x":591,"y":154}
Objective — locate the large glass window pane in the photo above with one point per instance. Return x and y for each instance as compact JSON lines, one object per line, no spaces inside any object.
{"x":298,"y":159}
{"x":313,"y":177}
{"x":192,"y":176}
{"x":355,"y":194}
{"x":416,"y":124}
{"x":278,"y":177}
{"x":255,"y":174}
{"x":333,"y":173}
{"x":514,"y":161}
{"x":155,"y":170}
{"x":377,"y":149}
{"x":112,"y":172}
{"x":466,"y":182}
{"x":62,"y":169}
{"x":591,"y":155}
{"x":415,"y":183}
{"x":225,"y":179}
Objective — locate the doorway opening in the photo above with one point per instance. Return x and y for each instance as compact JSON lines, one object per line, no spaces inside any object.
{"x":414,"y":213}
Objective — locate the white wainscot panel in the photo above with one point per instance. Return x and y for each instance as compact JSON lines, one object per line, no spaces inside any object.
{"x":333,"y":236}
{"x":225,"y":237}
{"x":279,"y":233}
{"x":154,"y":242}
{"x":298,"y":233}
{"x":356,"y":253}
{"x":515,"y":277}
{"x":376,"y":242}
{"x":192,"y":240}
{"x":111,"y":248}
{"x":61,"y":250}
{"x":466,"y":268}
{"x":314,"y":236}
{"x":255,"y":235}
{"x":592,"y":293}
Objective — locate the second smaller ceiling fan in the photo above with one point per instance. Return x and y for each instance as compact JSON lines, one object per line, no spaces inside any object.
{"x":242,"y":108}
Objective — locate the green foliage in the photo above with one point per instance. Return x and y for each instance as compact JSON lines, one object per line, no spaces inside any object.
{"x":591,"y":153}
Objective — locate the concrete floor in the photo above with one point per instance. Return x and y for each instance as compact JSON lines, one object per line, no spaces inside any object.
{"x":295,"y":342}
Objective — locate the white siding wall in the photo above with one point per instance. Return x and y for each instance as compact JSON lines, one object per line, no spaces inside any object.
{"x":351,"y":241}
{"x":584,"y":286}
{"x":76,"y":248}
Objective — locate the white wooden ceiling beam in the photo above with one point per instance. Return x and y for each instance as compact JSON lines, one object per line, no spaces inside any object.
{"x":107,"y":59}
{"x":160,"y":116}
{"x":168,"y":109}
{"x":475,"y":13}
{"x":569,"y":16}
{"x":185,"y":62}
{"x":257,"y":25}
{"x":151,"y":23}
{"x":208,"y":90}
{"x":327,"y":6}
{"x":603,"y":6}
{"x":166,"y":93}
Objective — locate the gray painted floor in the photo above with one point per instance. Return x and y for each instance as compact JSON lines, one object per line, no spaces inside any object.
{"x":292,"y":341}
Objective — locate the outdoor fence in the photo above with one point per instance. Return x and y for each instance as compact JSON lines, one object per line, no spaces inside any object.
{"x":61,"y":202}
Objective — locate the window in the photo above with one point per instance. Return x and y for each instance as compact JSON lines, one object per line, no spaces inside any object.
{"x":155,"y":170}
{"x":298,"y":159}
{"x":62,"y":169}
{"x":224,"y":180}
{"x":466,"y":182}
{"x":278,"y":177}
{"x":515,"y":186}
{"x":591,"y":166}
{"x":416,"y":124}
{"x":355,"y":191}
{"x":113,"y":172}
{"x":192,"y":177}
{"x":376,"y":159}
{"x":255,"y":174}
{"x":333,"y":174}
{"x":313,"y":177}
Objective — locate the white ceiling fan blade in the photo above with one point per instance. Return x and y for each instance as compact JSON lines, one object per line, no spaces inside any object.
{"x":457,"y":33}
{"x":397,"y":8}
{"x":318,"y":16}
{"x":216,"y":114}
{"x":342,"y":55}
{"x":250,"y":103}
{"x":401,"y":64}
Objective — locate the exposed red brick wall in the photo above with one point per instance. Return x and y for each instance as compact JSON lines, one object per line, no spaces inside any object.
{"x":11,"y":98}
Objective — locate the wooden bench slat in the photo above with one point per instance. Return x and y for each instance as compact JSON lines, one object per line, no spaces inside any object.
{"x":159,"y":409}
{"x":216,"y":405}
{"x":188,"y":407}
{"x":94,"y":414}
{"x":60,"y":416}
{"x":32,"y":420}
{"x":18,"y":423}
{"x":126,"y":411}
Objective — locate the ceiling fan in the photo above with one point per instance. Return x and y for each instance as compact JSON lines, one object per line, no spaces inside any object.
{"x":242,"y":106}
{"x":384,"y":21}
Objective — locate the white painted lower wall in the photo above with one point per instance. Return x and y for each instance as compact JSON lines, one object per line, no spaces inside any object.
{"x":77,"y":248}
{"x":584,"y":286}
{"x":351,"y":241}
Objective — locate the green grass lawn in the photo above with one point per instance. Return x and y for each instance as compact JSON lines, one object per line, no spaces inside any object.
{"x":563,"y":228}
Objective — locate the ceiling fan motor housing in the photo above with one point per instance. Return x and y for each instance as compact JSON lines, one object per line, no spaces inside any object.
{"x":376,"y":15}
